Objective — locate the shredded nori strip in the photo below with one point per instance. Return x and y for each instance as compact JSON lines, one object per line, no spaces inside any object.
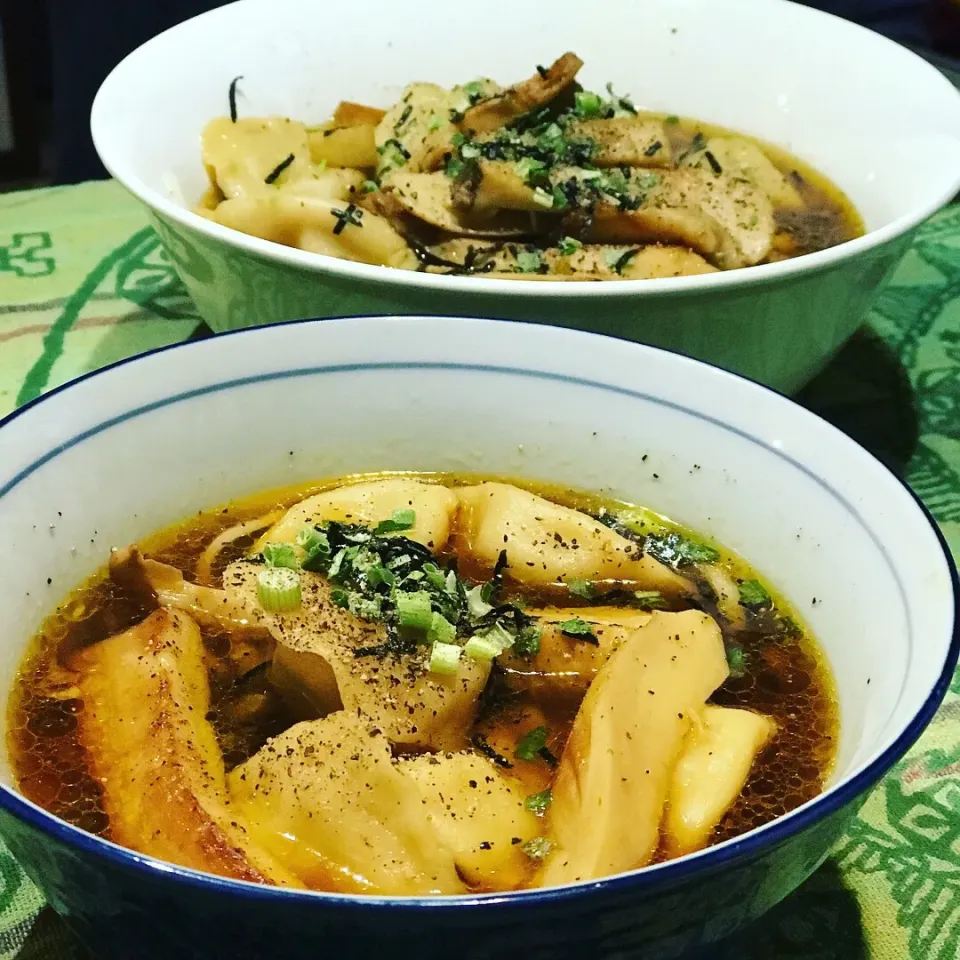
{"x":232,"y":97}
{"x":469,"y":265}
{"x":543,"y":71}
{"x":653,"y":148}
{"x":714,"y":164}
{"x":496,"y":581}
{"x":407,"y":110}
{"x":549,"y":758}
{"x":349,"y":217}
{"x":624,"y":259}
{"x":278,"y":169}
{"x":481,"y":743}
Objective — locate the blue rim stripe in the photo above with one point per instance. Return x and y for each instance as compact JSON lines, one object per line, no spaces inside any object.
{"x":708,"y":861}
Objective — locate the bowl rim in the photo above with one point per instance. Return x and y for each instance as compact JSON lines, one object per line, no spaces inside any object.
{"x":275,"y":253}
{"x":669,"y":873}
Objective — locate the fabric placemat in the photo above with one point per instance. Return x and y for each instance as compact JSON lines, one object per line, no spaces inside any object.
{"x":85,"y":282}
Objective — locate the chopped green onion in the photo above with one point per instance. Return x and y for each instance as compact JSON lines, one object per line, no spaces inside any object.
{"x":434,"y":575}
{"x":542,"y":199}
{"x":671,"y":120}
{"x":569,"y":245}
{"x":582,"y":588}
{"x":445,"y":658}
{"x":587,"y":104}
{"x":737,"y":661}
{"x":393,"y":154}
{"x":316,"y":547}
{"x":527,"y":643}
{"x":481,"y":648}
{"x":531,"y":743}
{"x":539,"y":848}
{"x":530,"y":169}
{"x":528,"y":261}
{"x":477,"y":606}
{"x":441,"y":630}
{"x":278,"y":589}
{"x":280,"y":555}
{"x":753,"y":594}
{"x":400,"y":520}
{"x":378,"y":574}
{"x":414,"y":610}
{"x":370,"y":186}
{"x":498,"y":635}
{"x":650,"y":600}
{"x":560,"y":201}
{"x":436,"y":122}
{"x":578,"y":628}
{"x":539,"y":803}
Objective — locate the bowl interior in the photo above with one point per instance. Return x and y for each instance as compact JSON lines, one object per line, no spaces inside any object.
{"x":125,"y":452}
{"x":879,"y":121}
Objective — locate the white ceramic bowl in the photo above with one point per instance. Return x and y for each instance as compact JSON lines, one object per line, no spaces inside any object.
{"x":121,"y":453}
{"x":878,"y":120}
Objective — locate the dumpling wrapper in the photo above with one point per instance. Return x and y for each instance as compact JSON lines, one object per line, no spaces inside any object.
{"x":240,"y":155}
{"x":617,"y":767}
{"x":146,"y":696}
{"x":565,"y":666}
{"x":164,"y":585}
{"x":328,"y":801}
{"x":479,"y":814}
{"x":316,"y":666}
{"x":368,"y":503}
{"x":547,"y":543}
{"x":717,"y":755}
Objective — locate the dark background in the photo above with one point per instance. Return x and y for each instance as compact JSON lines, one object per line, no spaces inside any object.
{"x":57,"y":52}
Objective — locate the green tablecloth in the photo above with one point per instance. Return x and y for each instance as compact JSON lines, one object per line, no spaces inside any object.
{"x":84,"y":282}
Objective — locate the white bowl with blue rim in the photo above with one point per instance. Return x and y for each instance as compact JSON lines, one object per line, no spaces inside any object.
{"x":120,"y":453}
{"x":879,"y":121}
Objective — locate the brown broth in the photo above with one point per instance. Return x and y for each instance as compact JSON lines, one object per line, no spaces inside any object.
{"x":787,"y":679}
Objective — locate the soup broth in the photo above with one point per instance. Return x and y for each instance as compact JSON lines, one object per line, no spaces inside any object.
{"x":524,"y":715}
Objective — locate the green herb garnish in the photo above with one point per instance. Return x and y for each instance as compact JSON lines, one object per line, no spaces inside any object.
{"x":582,"y":588}
{"x":753,"y":594}
{"x":650,"y":600}
{"x":436,"y":122}
{"x":527,"y":643}
{"x":531,"y":743}
{"x":673,"y":549}
{"x":587,"y":104}
{"x":539,"y":848}
{"x":578,"y":629}
{"x":400,"y":520}
{"x":529,"y":261}
{"x":280,"y":555}
{"x":671,"y":120}
{"x":736,"y":660}
{"x":370,"y":186}
{"x":569,"y":245}
{"x":539,"y":803}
